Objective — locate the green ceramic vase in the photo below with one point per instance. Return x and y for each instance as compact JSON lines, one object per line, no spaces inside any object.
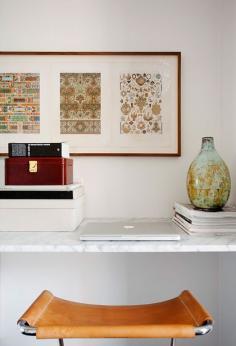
{"x":208,"y":179}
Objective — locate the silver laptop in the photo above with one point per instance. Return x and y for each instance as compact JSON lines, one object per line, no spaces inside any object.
{"x":162,"y":229}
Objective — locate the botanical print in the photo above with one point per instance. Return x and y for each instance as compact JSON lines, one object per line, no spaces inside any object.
{"x":140,"y":103}
{"x":80,"y":103}
{"x":19,"y":103}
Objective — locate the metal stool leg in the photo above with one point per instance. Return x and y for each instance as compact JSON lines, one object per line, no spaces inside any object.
{"x":61,"y":342}
{"x":172,"y":342}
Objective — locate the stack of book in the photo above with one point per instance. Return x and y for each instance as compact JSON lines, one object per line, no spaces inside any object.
{"x":194,"y":221}
{"x":39,"y":192}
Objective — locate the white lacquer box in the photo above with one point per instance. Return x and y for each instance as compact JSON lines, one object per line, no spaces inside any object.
{"x":41,"y":215}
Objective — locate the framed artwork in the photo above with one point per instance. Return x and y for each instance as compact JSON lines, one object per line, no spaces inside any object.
{"x":101,"y":103}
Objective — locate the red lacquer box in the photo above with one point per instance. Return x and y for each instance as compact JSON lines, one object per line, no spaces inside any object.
{"x":38,"y":171}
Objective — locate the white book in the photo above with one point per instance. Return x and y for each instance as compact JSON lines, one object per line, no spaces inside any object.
{"x":187,"y":227}
{"x":188,"y":211}
{"x":180,"y":225}
{"x":60,"y":149}
{"x":231,"y":226}
{"x":227,"y":221}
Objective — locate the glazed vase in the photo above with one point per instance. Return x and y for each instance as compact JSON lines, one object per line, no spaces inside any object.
{"x":208,"y":179}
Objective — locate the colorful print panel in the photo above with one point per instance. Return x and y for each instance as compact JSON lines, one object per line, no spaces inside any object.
{"x":140,"y":103}
{"x":80,"y":103}
{"x":19,"y":103}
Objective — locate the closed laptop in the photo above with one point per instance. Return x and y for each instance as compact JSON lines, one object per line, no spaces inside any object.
{"x":162,"y":229}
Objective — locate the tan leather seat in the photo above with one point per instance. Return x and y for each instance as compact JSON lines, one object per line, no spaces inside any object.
{"x":53,"y":317}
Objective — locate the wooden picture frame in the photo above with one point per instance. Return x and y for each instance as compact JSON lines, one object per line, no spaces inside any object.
{"x":102,"y":103}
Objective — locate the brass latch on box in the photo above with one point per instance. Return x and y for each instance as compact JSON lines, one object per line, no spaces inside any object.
{"x":33,"y":166}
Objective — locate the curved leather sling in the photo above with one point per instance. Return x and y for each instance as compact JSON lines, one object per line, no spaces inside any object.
{"x":50,"y":317}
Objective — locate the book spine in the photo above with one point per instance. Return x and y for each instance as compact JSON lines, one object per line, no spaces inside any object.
{"x":181,"y":209}
{"x":176,"y":221}
{"x":183,"y":217}
{"x":38,"y":149}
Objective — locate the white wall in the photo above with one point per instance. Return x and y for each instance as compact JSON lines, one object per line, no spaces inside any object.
{"x":227,"y":311}
{"x":143,"y":186}
{"x":227,"y":286}
{"x":228,"y":85}
{"x":1,"y":310}
{"x":105,"y":279}
{"x":131,"y":186}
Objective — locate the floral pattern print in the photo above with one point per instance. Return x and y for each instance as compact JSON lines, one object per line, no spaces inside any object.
{"x":80,"y":103}
{"x":141,"y":103}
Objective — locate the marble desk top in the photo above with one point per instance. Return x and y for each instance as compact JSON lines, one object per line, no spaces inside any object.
{"x":70,"y":242}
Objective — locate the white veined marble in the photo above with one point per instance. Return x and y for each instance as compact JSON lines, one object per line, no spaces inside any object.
{"x":70,"y":242}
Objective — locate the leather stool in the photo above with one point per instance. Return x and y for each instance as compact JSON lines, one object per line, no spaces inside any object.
{"x":50,"y":317}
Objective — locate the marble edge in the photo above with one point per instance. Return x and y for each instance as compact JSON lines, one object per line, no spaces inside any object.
{"x":125,"y":248}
